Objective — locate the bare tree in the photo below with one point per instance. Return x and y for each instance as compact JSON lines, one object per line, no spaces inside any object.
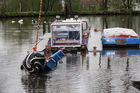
{"x":127,"y":4}
{"x":3,"y":6}
{"x":69,"y":3}
{"x":52,"y":4}
{"x":20,"y":5}
{"x":48,"y":5}
{"x":105,"y":4}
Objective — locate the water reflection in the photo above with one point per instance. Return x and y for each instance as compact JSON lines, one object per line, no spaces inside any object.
{"x":124,"y":72}
{"x":125,"y":21}
{"x":121,"y":52}
{"x":110,"y":71}
{"x":34,"y":84}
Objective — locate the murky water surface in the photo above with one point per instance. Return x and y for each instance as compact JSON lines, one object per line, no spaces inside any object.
{"x":112,"y":71}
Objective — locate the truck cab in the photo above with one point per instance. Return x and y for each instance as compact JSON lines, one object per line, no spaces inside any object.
{"x":67,"y":33}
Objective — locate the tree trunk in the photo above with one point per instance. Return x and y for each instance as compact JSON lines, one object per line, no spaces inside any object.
{"x":20,"y":5}
{"x":32,"y":6}
{"x":129,"y":4}
{"x":124,"y":4}
{"x":48,"y":5}
{"x":44,"y":5}
{"x":52,"y":4}
{"x":105,"y":4}
{"x":3,"y":6}
{"x":70,"y":5}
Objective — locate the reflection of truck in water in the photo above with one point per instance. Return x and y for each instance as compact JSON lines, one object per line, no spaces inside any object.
{"x":70,"y":33}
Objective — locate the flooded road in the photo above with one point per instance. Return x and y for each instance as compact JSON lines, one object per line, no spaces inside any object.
{"x":110,"y":71}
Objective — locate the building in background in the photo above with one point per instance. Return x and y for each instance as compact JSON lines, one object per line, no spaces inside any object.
{"x":136,"y":6}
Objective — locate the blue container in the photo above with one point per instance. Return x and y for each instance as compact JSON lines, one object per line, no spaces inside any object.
{"x":58,"y":55}
{"x":52,"y":63}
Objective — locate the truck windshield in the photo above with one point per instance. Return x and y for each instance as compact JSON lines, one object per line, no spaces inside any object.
{"x":66,"y":34}
{"x":66,"y":28}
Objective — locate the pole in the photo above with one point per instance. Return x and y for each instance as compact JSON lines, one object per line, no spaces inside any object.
{"x":35,"y":48}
